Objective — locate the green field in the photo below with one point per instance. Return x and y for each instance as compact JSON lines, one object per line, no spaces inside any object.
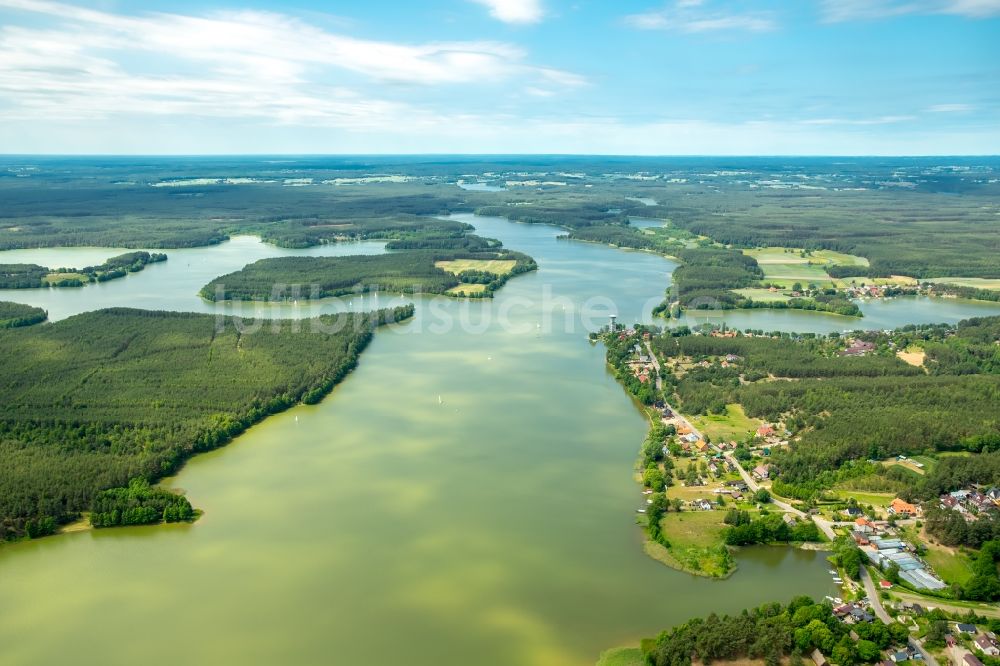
{"x":785,"y":266}
{"x":874,"y":499}
{"x":784,"y":255}
{"x":56,"y":278}
{"x":734,"y":424}
{"x":696,"y":543}
{"x":895,"y":280}
{"x":977,"y":283}
{"x":786,"y":275}
{"x":462,"y":289}
{"x":763,"y":295}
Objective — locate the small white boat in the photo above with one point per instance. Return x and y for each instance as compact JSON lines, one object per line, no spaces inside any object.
{"x":641,"y":510}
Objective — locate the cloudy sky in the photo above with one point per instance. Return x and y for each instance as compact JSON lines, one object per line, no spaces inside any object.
{"x":501,"y":76}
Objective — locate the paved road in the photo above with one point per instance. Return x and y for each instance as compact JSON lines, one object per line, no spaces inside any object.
{"x":873,"y":597}
{"x":659,"y":387}
{"x":880,"y":613}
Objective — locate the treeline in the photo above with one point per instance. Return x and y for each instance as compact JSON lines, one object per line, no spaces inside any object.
{"x":412,"y":220}
{"x":22,"y":276}
{"x":14,"y":315}
{"x":455,"y":241}
{"x":963,"y":291}
{"x":707,"y":276}
{"x":139,"y":504}
{"x":772,"y":632}
{"x":410,"y":271}
{"x":90,"y":402}
{"x":32,"y":276}
{"x":36,"y":214}
{"x":930,"y":234}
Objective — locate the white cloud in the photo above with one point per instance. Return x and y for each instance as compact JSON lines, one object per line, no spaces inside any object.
{"x":950,"y":108}
{"x":691,"y":16}
{"x":514,"y":11}
{"x":853,"y":10}
{"x":86,"y":63}
{"x":879,"y":120}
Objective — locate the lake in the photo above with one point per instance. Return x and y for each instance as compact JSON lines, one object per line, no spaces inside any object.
{"x":465,"y":496}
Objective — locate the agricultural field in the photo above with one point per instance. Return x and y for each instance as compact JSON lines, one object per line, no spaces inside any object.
{"x":976,"y":283}
{"x":465,"y":289}
{"x":495,"y":266}
{"x":892,"y":280}
{"x":786,"y":255}
{"x":786,"y":275}
{"x":763,"y":295}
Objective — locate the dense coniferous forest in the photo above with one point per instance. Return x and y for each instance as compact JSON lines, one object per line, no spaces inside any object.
{"x":93,"y":401}
{"x":13,"y":315}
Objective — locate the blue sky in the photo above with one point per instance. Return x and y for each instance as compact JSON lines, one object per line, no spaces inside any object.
{"x":897,"y":77}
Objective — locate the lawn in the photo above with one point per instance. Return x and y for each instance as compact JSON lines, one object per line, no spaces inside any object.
{"x":693,"y":529}
{"x":734,"y":424}
{"x":951,"y":564}
{"x":495,"y":266}
{"x":908,"y":464}
{"x":622,"y":657}
{"x":696,"y":543}
{"x":874,"y":499}
{"x":951,"y":567}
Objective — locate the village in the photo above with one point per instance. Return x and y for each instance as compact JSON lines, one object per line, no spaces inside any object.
{"x":712,"y":475}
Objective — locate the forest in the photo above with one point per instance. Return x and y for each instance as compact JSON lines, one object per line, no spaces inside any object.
{"x":773,"y":632}
{"x":139,"y":504}
{"x":92,"y":402}
{"x":14,"y":315}
{"x":31,"y":276}
{"x":407,"y":271}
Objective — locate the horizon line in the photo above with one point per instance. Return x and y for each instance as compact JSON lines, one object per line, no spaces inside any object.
{"x":480,"y":155}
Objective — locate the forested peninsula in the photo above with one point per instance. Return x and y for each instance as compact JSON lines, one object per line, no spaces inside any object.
{"x":33,"y":276}
{"x":96,"y":407}
{"x":463,"y":265}
{"x":14,"y":315}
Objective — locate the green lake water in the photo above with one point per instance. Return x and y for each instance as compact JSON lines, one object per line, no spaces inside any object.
{"x":464,"y":497}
